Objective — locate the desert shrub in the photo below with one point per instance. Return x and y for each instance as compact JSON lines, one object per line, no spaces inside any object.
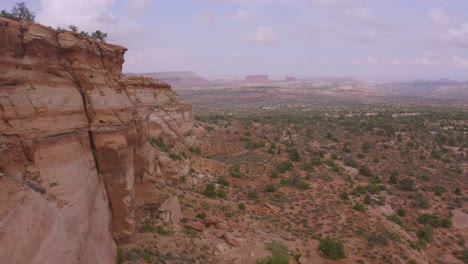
{"x":367,"y":199}
{"x":401,"y":212}
{"x":359,"y":189}
{"x":407,"y":185}
{"x":271,"y":187}
{"x":316,"y":161}
{"x":147,"y":227}
{"x":420,"y":200}
{"x":393,"y":179}
{"x":285,"y":166}
{"x":359,"y":207}
{"x":445,"y":222}
{"x":365,"y":171}
{"x":365,"y":147}
{"x":294,"y":154}
{"x":252,"y":194}
{"x":175,"y":156}
{"x":242,"y":206}
{"x":418,"y":244}
{"x":377,"y":238}
{"x":425,"y":233}
{"x":344,"y":196}
{"x":210,"y":190}
{"x":280,"y":254}
{"x":429,"y":219}
{"x":438,"y":190}
{"x":159,"y":143}
{"x":303,"y":185}
{"x":332,"y":248}
{"x":223,"y":181}
{"x":351,"y":162}
{"x":196,"y":150}
{"x":274,"y":259}
{"x":221,"y":193}
{"x":396,"y":219}
{"x":120,"y":255}
{"x":457,"y":191}
{"x":254,"y":145}
{"x":274,"y":174}
{"x":201,"y":215}
{"x":235,"y":172}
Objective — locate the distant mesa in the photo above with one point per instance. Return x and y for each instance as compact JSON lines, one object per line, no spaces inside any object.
{"x":257,"y":79}
{"x":177,"y":78}
{"x":291,"y":79}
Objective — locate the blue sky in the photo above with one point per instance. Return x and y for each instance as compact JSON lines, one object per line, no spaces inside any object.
{"x":369,"y":39}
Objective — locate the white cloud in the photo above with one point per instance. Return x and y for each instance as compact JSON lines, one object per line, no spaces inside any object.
{"x":242,"y":14}
{"x":208,"y":18}
{"x":364,"y":17}
{"x":437,"y":17}
{"x":138,"y":8}
{"x":264,"y":35}
{"x":457,"y":37}
{"x":336,"y":4}
{"x":460,"y":62}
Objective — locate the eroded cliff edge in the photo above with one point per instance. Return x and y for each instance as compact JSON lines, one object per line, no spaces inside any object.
{"x":73,"y":144}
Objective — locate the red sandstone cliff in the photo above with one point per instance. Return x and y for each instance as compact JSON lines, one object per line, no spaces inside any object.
{"x":73,"y":143}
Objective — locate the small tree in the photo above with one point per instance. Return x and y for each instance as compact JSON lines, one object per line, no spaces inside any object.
{"x":99,"y":35}
{"x":73,"y":28}
{"x":332,"y":248}
{"x":22,"y":11}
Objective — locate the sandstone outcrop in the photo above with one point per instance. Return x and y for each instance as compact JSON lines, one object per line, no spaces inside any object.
{"x":170,"y":211}
{"x":74,"y":143}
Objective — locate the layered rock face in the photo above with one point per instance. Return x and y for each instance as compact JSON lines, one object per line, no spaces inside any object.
{"x":73,"y":143}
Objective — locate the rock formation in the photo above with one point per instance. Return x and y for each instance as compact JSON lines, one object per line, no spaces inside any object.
{"x":257,"y":79}
{"x":178,"y":79}
{"x":73,"y":143}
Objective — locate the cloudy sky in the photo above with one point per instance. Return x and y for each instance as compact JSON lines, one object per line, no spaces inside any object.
{"x":374,"y":39}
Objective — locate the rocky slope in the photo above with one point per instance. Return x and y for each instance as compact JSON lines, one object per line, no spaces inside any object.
{"x":73,"y":144}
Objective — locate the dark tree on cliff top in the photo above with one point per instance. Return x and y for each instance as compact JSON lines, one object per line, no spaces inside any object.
{"x":99,"y":35}
{"x":20,"y":10}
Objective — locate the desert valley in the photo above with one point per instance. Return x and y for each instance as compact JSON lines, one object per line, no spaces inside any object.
{"x":101,"y":166}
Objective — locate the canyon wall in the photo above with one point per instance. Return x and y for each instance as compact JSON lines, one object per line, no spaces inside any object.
{"x":74,"y":143}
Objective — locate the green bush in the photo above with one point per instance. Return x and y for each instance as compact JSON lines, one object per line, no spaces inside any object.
{"x":344,"y":196}
{"x":120,"y":255}
{"x":201,"y":215}
{"x":221,"y":193}
{"x":223,"y":181}
{"x":401,"y":212}
{"x":407,"y":185}
{"x":159,"y":143}
{"x":242,"y":206}
{"x":252,"y":194}
{"x":280,"y":254}
{"x":445,"y":222}
{"x":425,"y":233}
{"x":274,"y":174}
{"x":285,"y":166}
{"x":332,"y":248}
{"x":359,"y":207}
{"x":396,"y":219}
{"x":235,"y":171}
{"x":210,"y":190}
{"x":365,"y":171}
{"x":271,"y":187}
{"x":175,"y":156}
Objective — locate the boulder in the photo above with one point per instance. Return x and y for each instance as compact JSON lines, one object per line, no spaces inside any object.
{"x":199,"y":226}
{"x":231,"y":239}
{"x":170,"y":211}
{"x":213,"y":220}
